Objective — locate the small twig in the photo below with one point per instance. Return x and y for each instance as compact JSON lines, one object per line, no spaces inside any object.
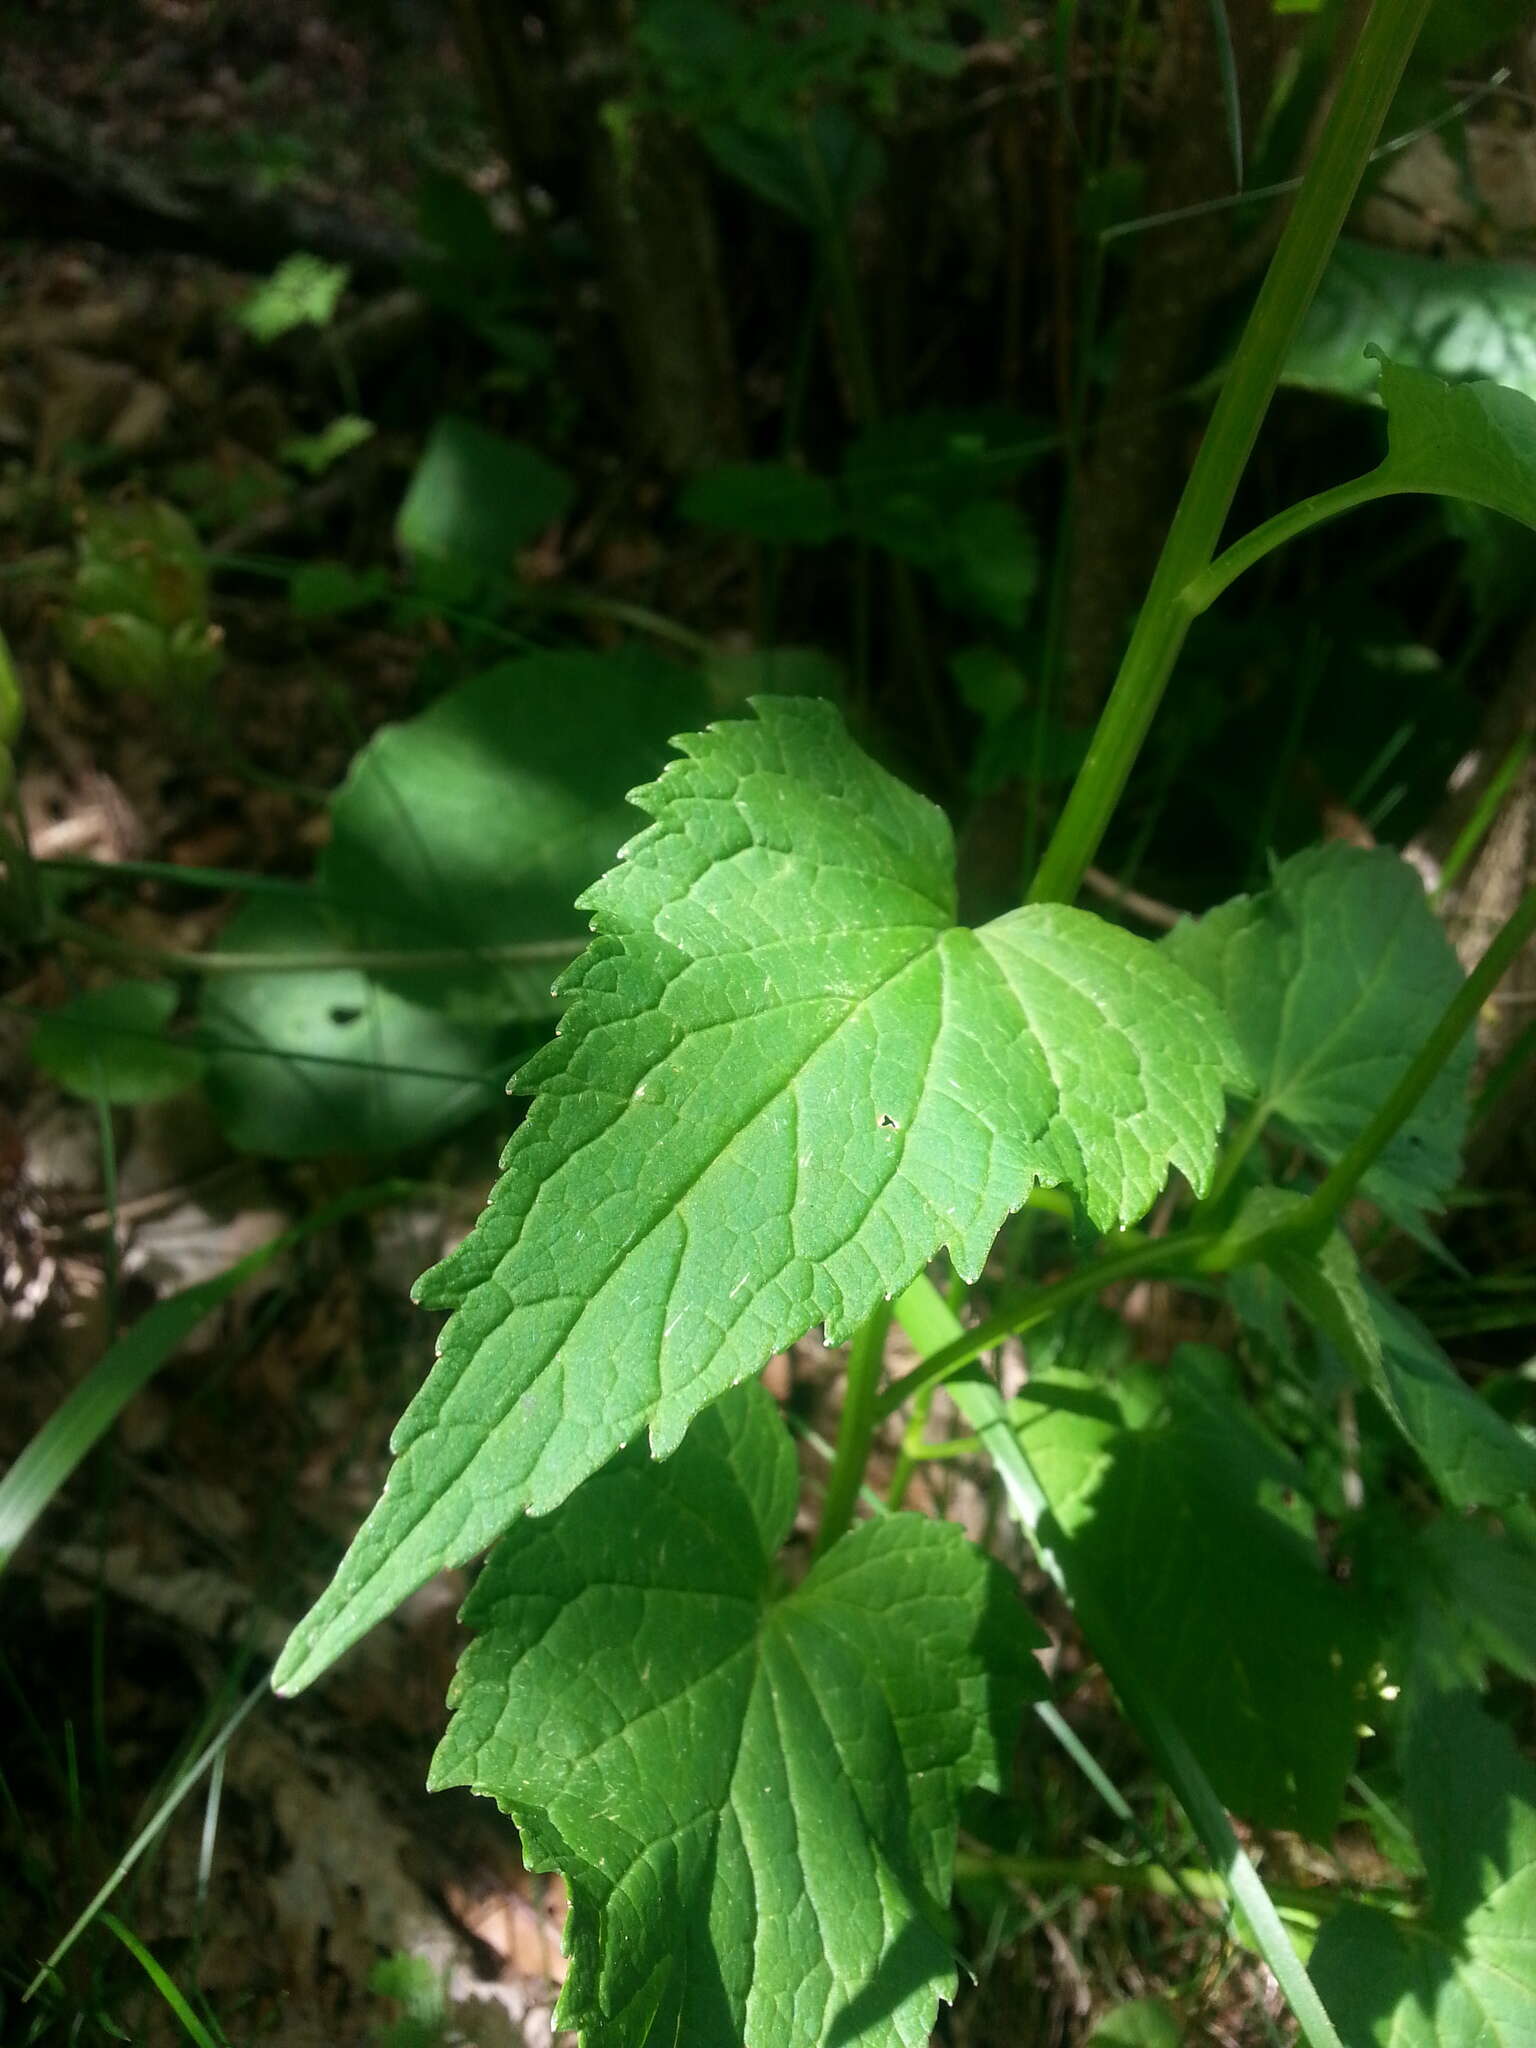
{"x":1147,"y":908}
{"x":533,"y":953}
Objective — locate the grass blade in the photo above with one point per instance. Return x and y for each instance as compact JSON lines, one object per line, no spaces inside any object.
{"x":162,"y":1983}
{"x":85,"y":1416}
{"x":147,"y":1834}
{"x":1232,"y":106}
{"x":931,"y":1323}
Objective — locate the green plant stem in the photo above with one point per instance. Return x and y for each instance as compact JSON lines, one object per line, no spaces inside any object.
{"x":1486,"y":810}
{"x":1091,"y":1873}
{"x":533,"y":953}
{"x":1322,"y":1207}
{"x":855,"y":1430}
{"x":1295,"y":520}
{"x":941,"y":1361}
{"x":581,"y":605}
{"x":103,"y":871}
{"x":932,"y":1324}
{"x":907,"y":1458}
{"x":1327,"y":192}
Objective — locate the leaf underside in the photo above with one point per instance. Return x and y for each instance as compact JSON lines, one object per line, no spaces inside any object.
{"x":752,"y":1796}
{"x":785,"y":1080}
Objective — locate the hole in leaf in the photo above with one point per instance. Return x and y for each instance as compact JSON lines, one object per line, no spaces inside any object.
{"x":345,"y":1013}
{"x":887,"y":1123}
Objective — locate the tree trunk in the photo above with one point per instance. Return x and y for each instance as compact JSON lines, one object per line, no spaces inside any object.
{"x":643,"y":190}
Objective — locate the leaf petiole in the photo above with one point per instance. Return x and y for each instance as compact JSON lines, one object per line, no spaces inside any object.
{"x":1133,"y":1256}
{"x":855,"y":1430}
{"x":1203,"y":590}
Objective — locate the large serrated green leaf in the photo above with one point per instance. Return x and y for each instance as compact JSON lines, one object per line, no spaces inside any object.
{"x":785,"y":1080}
{"x":752,"y":1793}
{"x":1184,"y":1528}
{"x":1331,"y":979}
{"x":1465,"y":1975}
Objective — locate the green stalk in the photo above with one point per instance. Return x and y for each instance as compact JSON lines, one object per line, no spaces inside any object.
{"x":932,"y":1325}
{"x":1326,"y":195}
{"x":1477,"y":827}
{"x":1093,"y":1873}
{"x":907,"y":1458}
{"x":856,"y":1429}
{"x":361,"y":960}
{"x":1322,"y":1208}
{"x":1295,"y":520}
{"x":961,"y":1347}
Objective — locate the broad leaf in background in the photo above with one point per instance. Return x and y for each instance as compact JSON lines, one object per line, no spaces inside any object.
{"x":902,"y":472}
{"x":907,"y":481}
{"x":329,"y":1060}
{"x":768,"y":501}
{"x":1464,"y":1976}
{"x":477,"y":825}
{"x":990,"y":564}
{"x":1181,"y":1521}
{"x":1457,"y":320}
{"x":480,"y":275}
{"x":752,"y":1793}
{"x":818,"y":170}
{"x":476,"y":498}
{"x":112,"y":1045}
{"x":1331,"y":980}
{"x":1143,"y":2023}
{"x":785,"y":1079}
